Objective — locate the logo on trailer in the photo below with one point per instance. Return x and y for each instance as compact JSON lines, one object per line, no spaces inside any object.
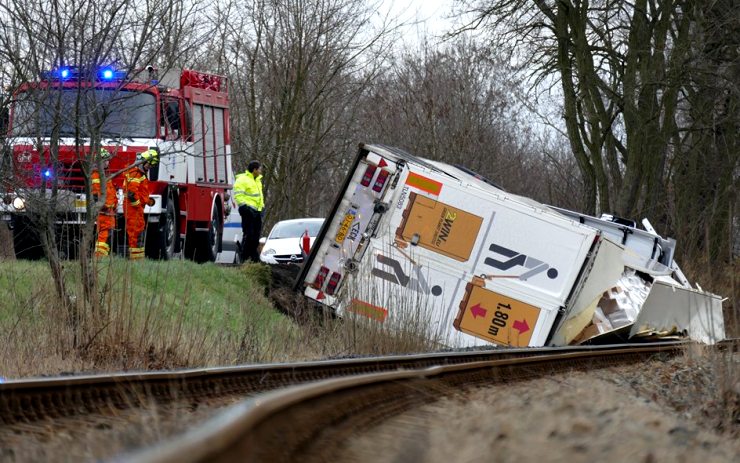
{"x":417,"y":282}
{"x":445,"y":227}
{"x":354,"y":231}
{"x":514,"y":259}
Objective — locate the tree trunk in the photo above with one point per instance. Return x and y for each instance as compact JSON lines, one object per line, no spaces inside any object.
{"x":7,"y":250}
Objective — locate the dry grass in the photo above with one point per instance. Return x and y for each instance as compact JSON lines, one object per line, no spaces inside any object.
{"x":166,"y":315}
{"x":702,"y":385}
{"x":354,"y":335}
{"x":152,"y":315}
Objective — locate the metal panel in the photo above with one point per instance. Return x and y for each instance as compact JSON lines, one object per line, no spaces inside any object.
{"x":220,"y":134}
{"x":208,"y":139}
{"x":670,"y":307}
{"x":198,"y":142}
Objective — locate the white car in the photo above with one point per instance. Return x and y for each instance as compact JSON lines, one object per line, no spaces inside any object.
{"x":283,"y":244}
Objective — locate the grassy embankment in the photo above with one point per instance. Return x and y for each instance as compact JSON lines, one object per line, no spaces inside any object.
{"x":161,"y":315}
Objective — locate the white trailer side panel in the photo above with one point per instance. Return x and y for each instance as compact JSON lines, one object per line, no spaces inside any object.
{"x":477,"y":265}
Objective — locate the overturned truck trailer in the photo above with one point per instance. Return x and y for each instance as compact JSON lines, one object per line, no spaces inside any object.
{"x":421,"y":245}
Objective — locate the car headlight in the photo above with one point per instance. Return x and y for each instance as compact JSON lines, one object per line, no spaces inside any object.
{"x":19,"y":204}
{"x":268,"y":252}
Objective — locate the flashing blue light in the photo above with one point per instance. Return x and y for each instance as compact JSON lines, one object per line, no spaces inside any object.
{"x":106,"y":74}
{"x":64,"y":73}
{"x":47,"y":173}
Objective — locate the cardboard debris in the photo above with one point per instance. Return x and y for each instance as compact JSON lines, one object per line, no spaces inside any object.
{"x":621,"y":304}
{"x":661,"y":309}
{"x":607,"y":268}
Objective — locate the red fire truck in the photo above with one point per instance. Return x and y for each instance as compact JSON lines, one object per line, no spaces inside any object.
{"x":184,"y":116}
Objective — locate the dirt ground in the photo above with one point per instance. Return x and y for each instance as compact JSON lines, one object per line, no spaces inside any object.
{"x":654,"y":412}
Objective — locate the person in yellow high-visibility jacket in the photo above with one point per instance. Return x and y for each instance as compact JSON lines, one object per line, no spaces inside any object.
{"x":251,"y":201}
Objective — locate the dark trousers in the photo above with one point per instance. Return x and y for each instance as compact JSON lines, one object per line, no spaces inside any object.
{"x":251,"y":229}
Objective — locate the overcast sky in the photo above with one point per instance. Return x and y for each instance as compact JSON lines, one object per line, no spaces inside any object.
{"x":431,"y":16}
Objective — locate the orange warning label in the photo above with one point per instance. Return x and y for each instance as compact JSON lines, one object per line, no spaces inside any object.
{"x":424,"y":183}
{"x":368,"y":310}
{"x":495,"y":317}
{"x":439,"y":227}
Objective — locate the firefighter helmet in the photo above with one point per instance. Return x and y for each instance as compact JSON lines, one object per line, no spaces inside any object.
{"x":150,"y":156}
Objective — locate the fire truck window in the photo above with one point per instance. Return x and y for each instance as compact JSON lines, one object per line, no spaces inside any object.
{"x":173,"y":118}
{"x":111,"y":113}
{"x":163,"y":129}
{"x":187,"y":129}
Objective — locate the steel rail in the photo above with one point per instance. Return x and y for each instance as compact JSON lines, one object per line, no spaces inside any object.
{"x":34,"y":400}
{"x":309,"y":422}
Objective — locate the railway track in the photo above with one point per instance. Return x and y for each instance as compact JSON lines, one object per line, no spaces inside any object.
{"x":309,"y":422}
{"x":28,"y":402}
{"x":362,"y":391}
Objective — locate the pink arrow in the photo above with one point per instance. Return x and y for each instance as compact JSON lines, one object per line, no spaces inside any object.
{"x":478,"y":311}
{"x":521,"y":326}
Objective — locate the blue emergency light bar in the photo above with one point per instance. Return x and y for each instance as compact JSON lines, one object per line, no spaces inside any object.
{"x":105,"y":74}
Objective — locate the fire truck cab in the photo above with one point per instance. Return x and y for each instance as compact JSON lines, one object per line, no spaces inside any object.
{"x":55,"y":122}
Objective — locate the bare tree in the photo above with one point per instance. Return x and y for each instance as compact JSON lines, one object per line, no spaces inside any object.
{"x":298,"y":70}
{"x":6,"y":236}
{"x":461,"y":102}
{"x":619,"y":67}
{"x":37,"y":36}
{"x":705,"y":169}
{"x":630,"y":76}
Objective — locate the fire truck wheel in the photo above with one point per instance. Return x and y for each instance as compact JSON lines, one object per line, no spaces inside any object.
{"x":215,"y":232}
{"x":207,"y":244}
{"x":164,"y":241}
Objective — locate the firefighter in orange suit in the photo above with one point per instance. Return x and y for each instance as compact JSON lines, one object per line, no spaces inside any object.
{"x":107,"y":213}
{"x":136,"y":189}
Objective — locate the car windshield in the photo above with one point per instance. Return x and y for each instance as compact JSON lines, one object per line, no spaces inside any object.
{"x":112,"y":113}
{"x":295,"y":229}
